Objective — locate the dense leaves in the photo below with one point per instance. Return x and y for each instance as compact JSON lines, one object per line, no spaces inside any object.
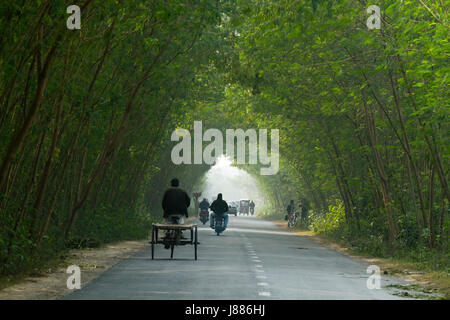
{"x":86,"y":115}
{"x":363,"y":113}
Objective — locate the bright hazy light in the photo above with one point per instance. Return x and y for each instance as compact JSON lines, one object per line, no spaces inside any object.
{"x":234,"y":183}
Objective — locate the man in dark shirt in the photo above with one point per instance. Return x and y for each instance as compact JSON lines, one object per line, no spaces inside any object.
{"x":290,"y":210}
{"x":175,"y":202}
{"x":252,"y":207}
{"x":204,"y":205}
{"x":220,"y":208}
{"x":304,"y":211}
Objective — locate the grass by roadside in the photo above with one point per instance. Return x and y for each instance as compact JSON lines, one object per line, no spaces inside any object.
{"x":42,"y":271}
{"x":431,"y":281}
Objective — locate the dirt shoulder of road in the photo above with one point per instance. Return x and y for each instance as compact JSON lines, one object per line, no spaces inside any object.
{"x":435,"y":282}
{"x":52,"y":284}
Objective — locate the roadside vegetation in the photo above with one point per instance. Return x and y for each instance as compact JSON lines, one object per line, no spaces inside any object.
{"x":86,"y":117}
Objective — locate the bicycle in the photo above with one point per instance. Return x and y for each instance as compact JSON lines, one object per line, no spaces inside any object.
{"x":292,"y":220}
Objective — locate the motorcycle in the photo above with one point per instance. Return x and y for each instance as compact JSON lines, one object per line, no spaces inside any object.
{"x":219,"y":224}
{"x":204,"y":216}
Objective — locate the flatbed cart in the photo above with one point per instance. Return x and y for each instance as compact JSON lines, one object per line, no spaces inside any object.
{"x":173,"y":236}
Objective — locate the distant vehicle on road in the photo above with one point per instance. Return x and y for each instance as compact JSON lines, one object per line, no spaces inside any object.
{"x":243,"y":206}
{"x":232,"y":208}
{"x":234,"y":203}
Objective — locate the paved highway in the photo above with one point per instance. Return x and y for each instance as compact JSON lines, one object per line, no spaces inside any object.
{"x":252,"y":259}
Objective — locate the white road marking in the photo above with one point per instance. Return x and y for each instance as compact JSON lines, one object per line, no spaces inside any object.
{"x":262,"y":284}
{"x":260,"y":276}
{"x":256,"y":260}
{"x":284,"y":233}
{"x":264,"y":293}
{"x":258,"y":266}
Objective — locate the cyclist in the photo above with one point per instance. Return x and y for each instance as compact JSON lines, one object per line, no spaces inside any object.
{"x":290,"y":210}
{"x":175,"y":203}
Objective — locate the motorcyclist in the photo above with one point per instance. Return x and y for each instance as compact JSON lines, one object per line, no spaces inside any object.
{"x":204,"y":205}
{"x":252,"y":207}
{"x":219,"y":208}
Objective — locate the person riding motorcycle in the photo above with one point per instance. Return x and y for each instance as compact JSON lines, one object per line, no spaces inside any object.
{"x":204,"y":205}
{"x":204,"y":213}
{"x":252,"y":207}
{"x":219,"y":208}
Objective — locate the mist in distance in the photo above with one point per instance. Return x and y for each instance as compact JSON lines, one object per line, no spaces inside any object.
{"x":234,"y":183}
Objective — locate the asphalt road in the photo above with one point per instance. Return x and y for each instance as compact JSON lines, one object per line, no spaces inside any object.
{"x":252,"y":259}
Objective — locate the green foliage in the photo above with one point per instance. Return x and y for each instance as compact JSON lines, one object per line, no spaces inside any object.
{"x":93,"y":164}
{"x":329,"y":222}
{"x":363,"y":116}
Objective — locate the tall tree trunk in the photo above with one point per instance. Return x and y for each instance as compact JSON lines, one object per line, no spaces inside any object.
{"x":387,"y":199}
{"x":430,"y":210}
{"x":431,"y":144}
{"x":110,"y":145}
{"x":18,"y":138}
{"x":46,"y":171}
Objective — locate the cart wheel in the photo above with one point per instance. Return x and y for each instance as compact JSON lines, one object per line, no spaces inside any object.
{"x":195,"y":243}
{"x":153,"y":242}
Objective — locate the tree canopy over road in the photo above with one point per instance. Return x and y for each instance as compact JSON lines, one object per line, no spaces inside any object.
{"x":86,"y":116}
